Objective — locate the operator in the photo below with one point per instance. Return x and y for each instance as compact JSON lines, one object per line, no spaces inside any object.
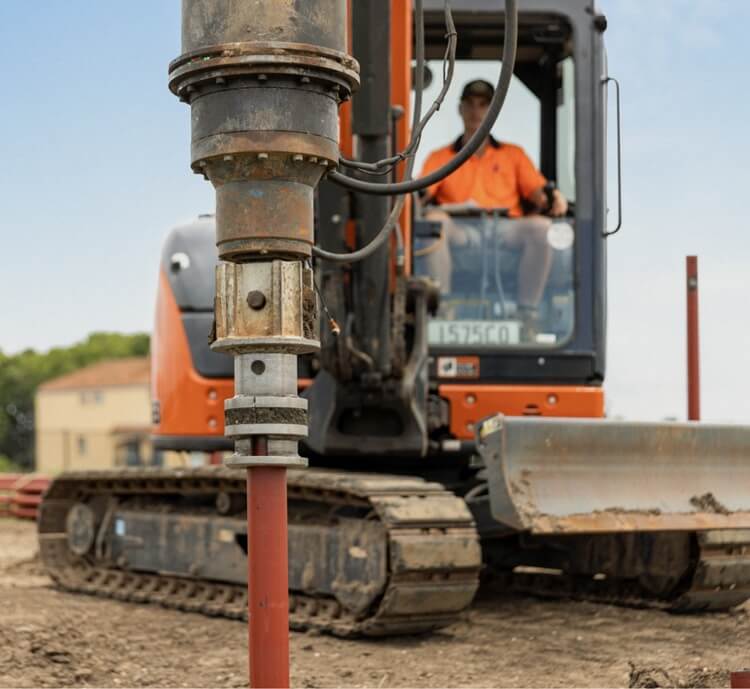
{"x":498,"y":176}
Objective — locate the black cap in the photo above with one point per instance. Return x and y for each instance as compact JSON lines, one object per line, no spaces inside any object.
{"x":478,"y":87}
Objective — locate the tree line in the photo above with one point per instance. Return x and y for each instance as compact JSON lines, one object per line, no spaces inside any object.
{"x":22,"y":373}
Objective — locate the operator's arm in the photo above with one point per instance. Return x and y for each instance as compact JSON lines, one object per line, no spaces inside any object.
{"x":559,"y":203}
{"x":532,"y":182}
{"x":431,"y":195}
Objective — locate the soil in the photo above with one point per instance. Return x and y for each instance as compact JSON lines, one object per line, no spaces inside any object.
{"x":53,"y":639}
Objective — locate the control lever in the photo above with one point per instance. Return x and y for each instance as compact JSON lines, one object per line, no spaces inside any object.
{"x":427,"y":229}
{"x":549,"y":189}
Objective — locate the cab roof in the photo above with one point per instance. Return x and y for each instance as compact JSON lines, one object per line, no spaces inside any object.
{"x":544,"y":26}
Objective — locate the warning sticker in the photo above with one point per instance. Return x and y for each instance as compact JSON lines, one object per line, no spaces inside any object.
{"x":494,"y":423}
{"x":458,"y":367}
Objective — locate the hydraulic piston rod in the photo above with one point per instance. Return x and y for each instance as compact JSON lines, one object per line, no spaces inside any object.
{"x":264,"y":80}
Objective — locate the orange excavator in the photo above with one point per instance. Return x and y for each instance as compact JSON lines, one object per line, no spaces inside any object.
{"x":445,"y":441}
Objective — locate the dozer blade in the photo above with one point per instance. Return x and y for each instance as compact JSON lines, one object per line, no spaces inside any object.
{"x":560,"y":476}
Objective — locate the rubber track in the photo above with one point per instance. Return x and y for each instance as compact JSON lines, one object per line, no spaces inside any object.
{"x":412,"y":510}
{"x":720,"y":580}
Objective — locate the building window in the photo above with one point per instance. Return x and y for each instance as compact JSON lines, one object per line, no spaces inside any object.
{"x":81,"y":445}
{"x":92,"y":397}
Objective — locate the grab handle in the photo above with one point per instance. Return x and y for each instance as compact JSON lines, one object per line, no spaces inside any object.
{"x":605,"y":234}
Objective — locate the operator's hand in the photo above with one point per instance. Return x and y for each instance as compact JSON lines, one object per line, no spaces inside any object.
{"x":559,"y":205}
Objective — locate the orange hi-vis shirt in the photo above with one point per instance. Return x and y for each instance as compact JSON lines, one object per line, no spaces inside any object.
{"x":501,"y":177}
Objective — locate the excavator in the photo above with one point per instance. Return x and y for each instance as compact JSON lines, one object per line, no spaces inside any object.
{"x":446,"y":442}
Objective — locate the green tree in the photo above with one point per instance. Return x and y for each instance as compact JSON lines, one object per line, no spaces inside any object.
{"x":22,"y":373}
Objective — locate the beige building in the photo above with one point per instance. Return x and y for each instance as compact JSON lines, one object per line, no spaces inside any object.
{"x":95,"y":418}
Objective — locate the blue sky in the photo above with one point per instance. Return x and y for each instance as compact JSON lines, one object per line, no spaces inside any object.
{"x":95,"y":171}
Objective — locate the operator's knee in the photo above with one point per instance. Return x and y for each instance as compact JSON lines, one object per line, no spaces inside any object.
{"x":436,"y":214}
{"x":536,"y":229}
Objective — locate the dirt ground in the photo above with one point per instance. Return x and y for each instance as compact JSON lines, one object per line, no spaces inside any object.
{"x":53,"y":639}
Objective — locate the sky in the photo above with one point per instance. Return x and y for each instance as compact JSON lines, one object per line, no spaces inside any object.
{"x":95,"y":172}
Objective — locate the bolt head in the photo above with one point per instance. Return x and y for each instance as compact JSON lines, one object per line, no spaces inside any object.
{"x":256,"y":300}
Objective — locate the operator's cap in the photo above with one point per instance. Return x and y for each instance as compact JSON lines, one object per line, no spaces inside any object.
{"x":478,"y":87}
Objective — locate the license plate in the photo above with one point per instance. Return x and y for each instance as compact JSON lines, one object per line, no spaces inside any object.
{"x":474,"y":333}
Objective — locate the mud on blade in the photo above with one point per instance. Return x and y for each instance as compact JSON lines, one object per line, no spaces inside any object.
{"x":554,"y":476}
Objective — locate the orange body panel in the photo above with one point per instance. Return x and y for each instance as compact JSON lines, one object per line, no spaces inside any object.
{"x":345,"y":130}
{"x":346,"y":143}
{"x":189,"y":404}
{"x":470,"y":403}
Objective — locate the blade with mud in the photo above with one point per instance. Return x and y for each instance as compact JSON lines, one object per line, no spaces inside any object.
{"x":567,"y":476}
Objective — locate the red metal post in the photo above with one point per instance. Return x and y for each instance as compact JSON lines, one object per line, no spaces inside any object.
{"x":740,"y":680}
{"x":267,"y":577}
{"x":693,"y":342}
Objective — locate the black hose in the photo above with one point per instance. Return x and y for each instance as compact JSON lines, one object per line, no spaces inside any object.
{"x":473,"y":144}
{"x":391,"y":223}
{"x":449,"y":63}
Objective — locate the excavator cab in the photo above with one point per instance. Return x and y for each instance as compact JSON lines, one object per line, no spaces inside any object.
{"x":555,"y":112}
{"x":476,"y":357}
{"x":542,"y":114}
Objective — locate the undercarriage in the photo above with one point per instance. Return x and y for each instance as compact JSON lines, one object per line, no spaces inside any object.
{"x":370,"y":554}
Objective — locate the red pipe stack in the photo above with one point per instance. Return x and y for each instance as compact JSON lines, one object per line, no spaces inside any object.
{"x":21,"y":494}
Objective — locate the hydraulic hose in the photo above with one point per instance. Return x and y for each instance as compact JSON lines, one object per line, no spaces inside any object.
{"x":473,"y":144}
{"x":392,"y":222}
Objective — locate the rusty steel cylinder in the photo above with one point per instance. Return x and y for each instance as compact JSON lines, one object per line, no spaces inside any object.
{"x":320,"y":23}
{"x":264,"y":81}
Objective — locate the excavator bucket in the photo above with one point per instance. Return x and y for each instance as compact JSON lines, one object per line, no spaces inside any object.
{"x":568,"y":476}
